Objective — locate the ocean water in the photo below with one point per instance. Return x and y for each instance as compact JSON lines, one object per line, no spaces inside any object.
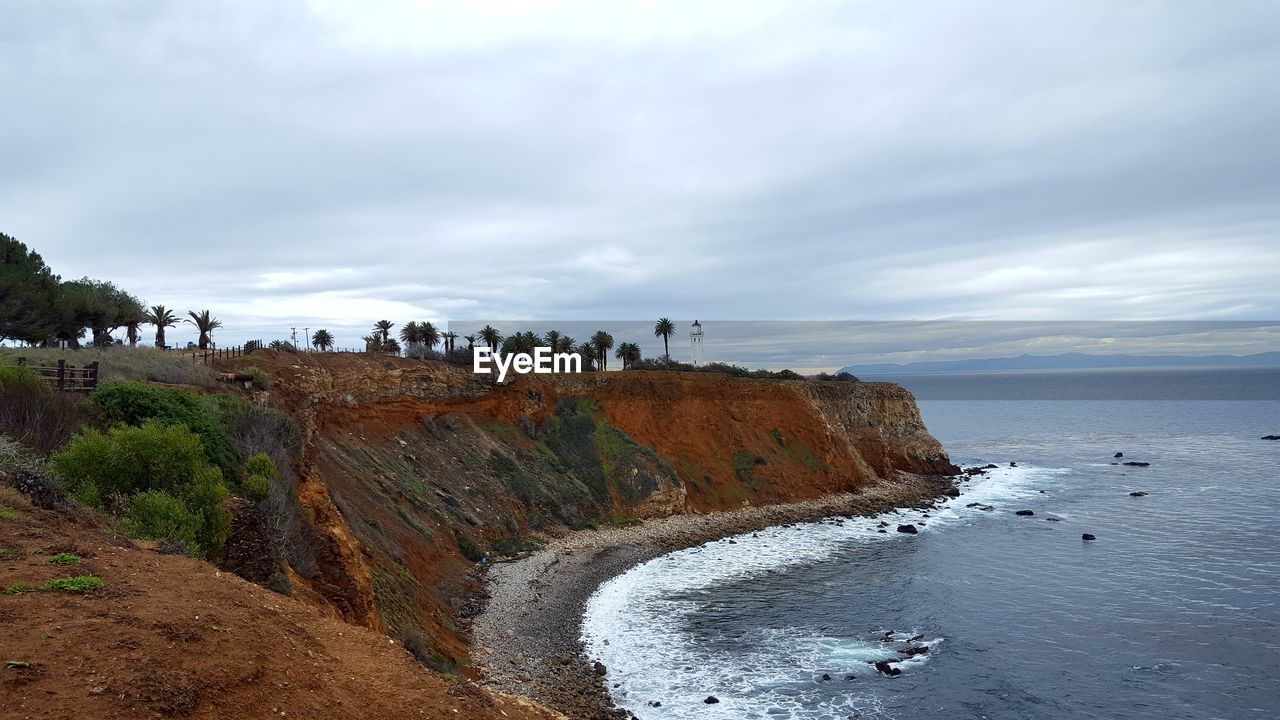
{"x":1173,"y":612}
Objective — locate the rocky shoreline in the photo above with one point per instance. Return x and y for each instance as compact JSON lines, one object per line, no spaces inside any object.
{"x":526,"y":639}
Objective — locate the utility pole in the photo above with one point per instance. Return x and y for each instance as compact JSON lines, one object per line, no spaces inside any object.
{"x":306,"y":338}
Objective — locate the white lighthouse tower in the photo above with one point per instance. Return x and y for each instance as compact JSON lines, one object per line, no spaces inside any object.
{"x":695,"y":339}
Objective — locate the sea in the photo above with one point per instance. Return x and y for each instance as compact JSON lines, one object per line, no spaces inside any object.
{"x":1173,"y":611}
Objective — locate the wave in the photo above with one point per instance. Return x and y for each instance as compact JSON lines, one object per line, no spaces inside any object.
{"x":635,"y":624}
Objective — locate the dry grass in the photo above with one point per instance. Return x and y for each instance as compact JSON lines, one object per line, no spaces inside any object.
{"x":122,"y":363}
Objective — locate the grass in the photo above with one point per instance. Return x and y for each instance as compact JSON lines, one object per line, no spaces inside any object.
{"x":79,"y":584}
{"x":123,"y":363}
{"x":65,"y":559}
{"x":7,"y":513}
{"x":18,"y":588}
{"x":7,"y":554}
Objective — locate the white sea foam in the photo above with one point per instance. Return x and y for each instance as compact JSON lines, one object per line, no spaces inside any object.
{"x":633,"y":622}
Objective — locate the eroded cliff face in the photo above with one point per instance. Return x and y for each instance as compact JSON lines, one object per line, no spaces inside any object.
{"x":414,"y":471}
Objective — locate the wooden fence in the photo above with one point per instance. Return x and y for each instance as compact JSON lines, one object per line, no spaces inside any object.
{"x":67,"y":378}
{"x":204,"y":356}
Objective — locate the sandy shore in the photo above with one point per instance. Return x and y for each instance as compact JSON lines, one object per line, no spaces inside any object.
{"x":527,"y":637}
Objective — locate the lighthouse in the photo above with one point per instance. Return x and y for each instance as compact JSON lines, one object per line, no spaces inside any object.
{"x":695,"y":340}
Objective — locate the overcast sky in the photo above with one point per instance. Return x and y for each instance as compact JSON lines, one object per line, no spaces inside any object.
{"x":327,"y":165}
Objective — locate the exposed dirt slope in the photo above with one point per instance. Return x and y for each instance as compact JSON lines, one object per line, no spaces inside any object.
{"x":416,"y":470}
{"x":171,"y":636}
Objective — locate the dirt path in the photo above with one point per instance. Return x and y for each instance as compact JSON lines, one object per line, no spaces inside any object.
{"x":171,"y":636}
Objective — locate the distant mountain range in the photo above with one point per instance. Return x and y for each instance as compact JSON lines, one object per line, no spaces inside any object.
{"x":1071,"y":361}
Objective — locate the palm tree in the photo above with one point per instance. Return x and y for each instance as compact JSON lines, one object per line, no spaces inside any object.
{"x":566,"y":345}
{"x":322,"y":340}
{"x":448,"y":338}
{"x":491,"y":337}
{"x":411,"y":334}
{"x":162,"y":317}
{"x":553,"y":339}
{"x":629,"y":354}
{"x":603,"y":342}
{"x":372,"y":343}
{"x":471,"y":341}
{"x":588,"y":353}
{"x":382,"y":328}
{"x":430,"y":335}
{"x":665,"y":329}
{"x":206,"y":324}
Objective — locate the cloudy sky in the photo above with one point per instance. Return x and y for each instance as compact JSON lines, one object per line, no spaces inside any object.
{"x":328,"y":164}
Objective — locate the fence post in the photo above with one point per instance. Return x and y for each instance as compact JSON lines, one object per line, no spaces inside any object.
{"x":92,"y":379}
{"x":62,"y":374}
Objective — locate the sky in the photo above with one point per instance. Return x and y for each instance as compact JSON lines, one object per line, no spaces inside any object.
{"x":329,"y":164}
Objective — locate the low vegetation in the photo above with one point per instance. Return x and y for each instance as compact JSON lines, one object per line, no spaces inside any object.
{"x":83,"y":584}
{"x":156,"y":476}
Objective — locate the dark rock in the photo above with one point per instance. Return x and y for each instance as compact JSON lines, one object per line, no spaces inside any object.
{"x":41,"y":488}
{"x":1118,"y":455}
{"x":1025,"y":513}
{"x":655,"y":703}
{"x":913,"y":651}
{"x":599,"y":669}
{"x":1137,"y":493}
{"x":917,"y":638}
{"x":1271,"y":437}
{"x":1013,"y":464}
{"x":882,"y":530}
{"x":952,"y":492}
{"x":990,"y":466}
{"x":850,"y":677}
{"x":1054,"y":519}
{"x":1136,"y":463}
{"x":885,"y":668}
{"x":908,"y":529}
{"x":1087,"y":536}
{"x":711,"y":700}
{"x":825,"y":677}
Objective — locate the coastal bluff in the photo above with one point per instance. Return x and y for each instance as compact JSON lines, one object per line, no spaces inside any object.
{"x":417,"y":474}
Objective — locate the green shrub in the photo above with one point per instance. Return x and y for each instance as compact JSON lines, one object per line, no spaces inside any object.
{"x":157,"y":515}
{"x":79,"y":584}
{"x":261,"y":465}
{"x":260,"y":378}
{"x":256,"y":487}
{"x":33,"y":415}
{"x":154,"y":458}
{"x":18,"y":588}
{"x":136,"y":403}
{"x":470,"y":550}
{"x":65,"y":559}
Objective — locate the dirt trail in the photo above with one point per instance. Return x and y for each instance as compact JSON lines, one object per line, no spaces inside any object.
{"x":171,"y":636}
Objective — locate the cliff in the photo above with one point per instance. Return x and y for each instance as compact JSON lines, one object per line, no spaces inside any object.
{"x":414,"y":471}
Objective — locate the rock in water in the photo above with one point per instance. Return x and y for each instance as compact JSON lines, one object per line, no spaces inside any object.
{"x":1087,"y":536}
{"x":913,"y":651}
{"x":1119,"y":454}
{"x":711,"y":700}
{"x":952,"y":492}
{"x":1135,"y":463}
{"x":599,"y":669}
{"x":1271,"y":437}
{"x":908,"y":529}
{"x":884,"y":667}
{"x":1137,"y":493}
{"x":1025,"y":513}
{"x":1013,"y":464}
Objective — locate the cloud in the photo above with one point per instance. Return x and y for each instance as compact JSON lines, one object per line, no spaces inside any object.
{"x":295,"y":163}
